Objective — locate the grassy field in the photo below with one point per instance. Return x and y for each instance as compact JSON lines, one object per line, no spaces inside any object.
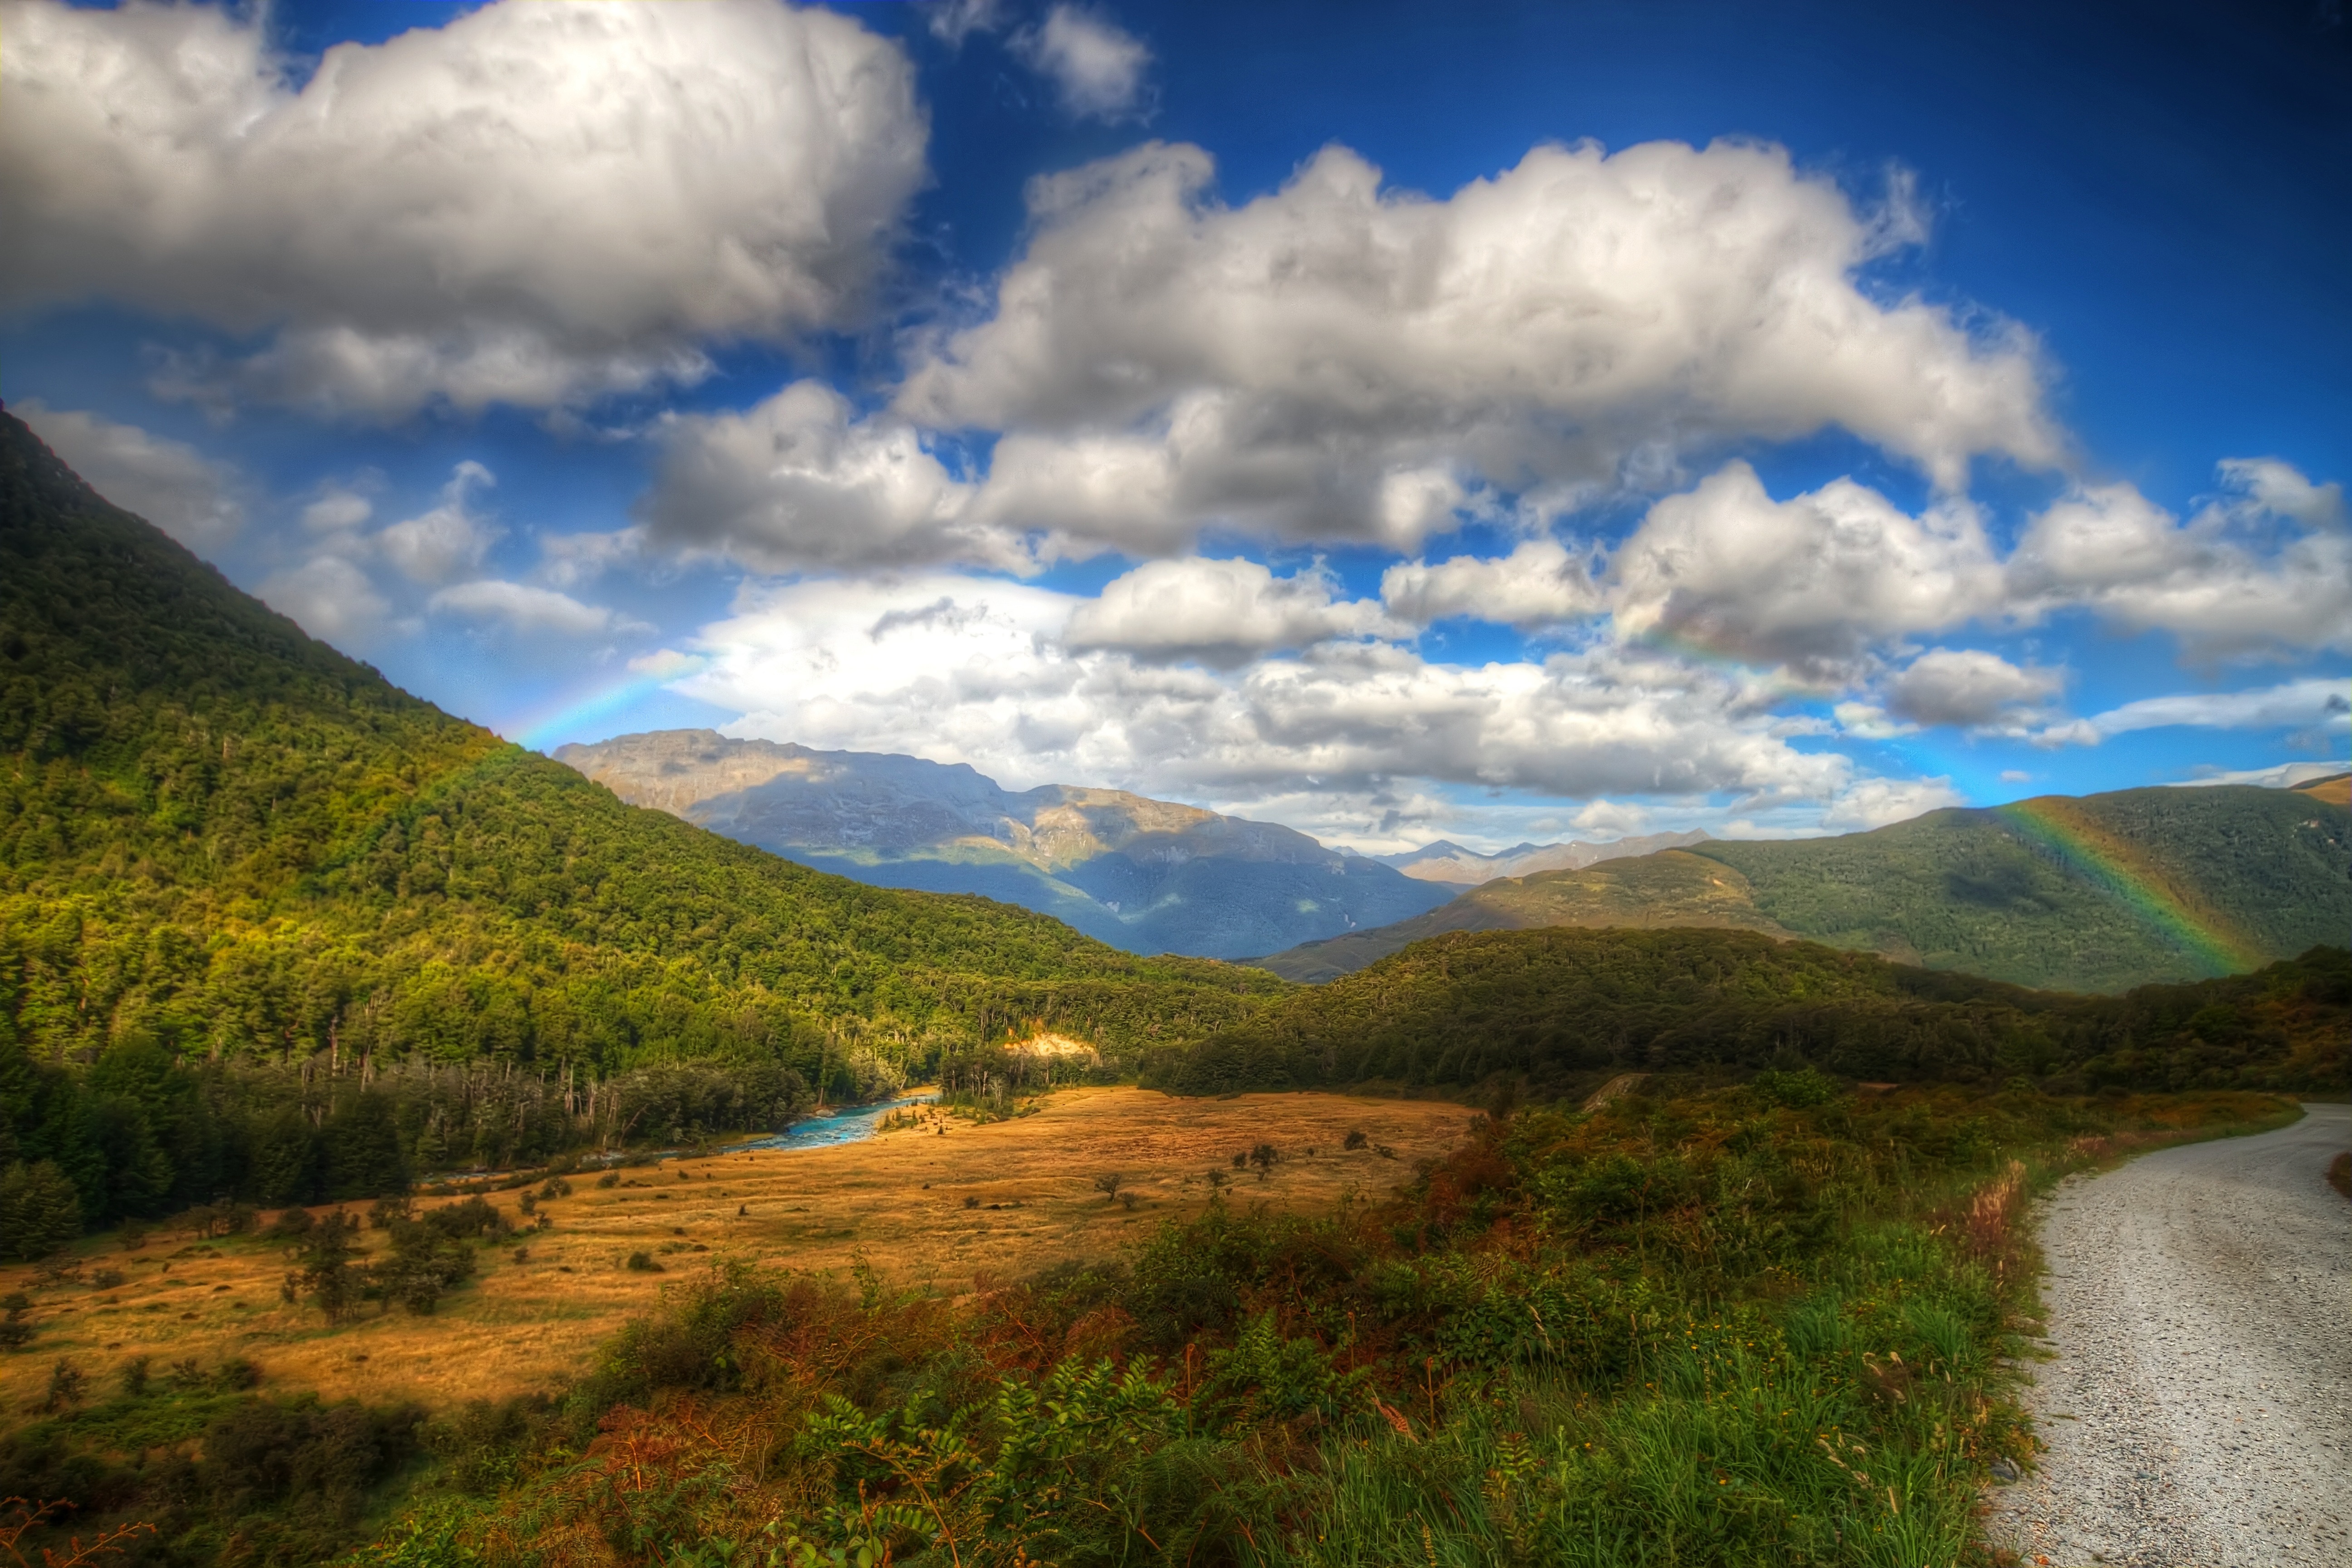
{"x":922,"y":1206}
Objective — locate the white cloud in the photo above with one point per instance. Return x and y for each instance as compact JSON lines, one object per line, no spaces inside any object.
{"x":2281,"y":488}
{"x":1097,"y":65}
{"x":1869,"y":721}
{"x":954,"y":21}
{"x":1539,"y":582}
{"x":336,"y":509}
{"x":1811,"y":582}
{"x":328,"y":597}
{"x":969,"y":669}
{"x":1335,"y":360}
{"x":532,"y":204}
{"x":526,"y":609}
{"x":1876,"y":802}
{"x":2285,"y":776}
{"x":569,"y":560}
{"x":449,"y":540}
{"x":198,"y":501}
{"x":2015,"y":775}
{"x":1221,"y":613}
{"x":1969,"y":687}
{"x":798,"y":481}
{"x":2228,"y":581}
{"x":2321,"y":704}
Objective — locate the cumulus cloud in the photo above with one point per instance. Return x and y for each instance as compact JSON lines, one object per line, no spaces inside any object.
{"x":798,"y":481}
{"x":1221,"y":613}
{"x":1969,"y":687}
{"x":1097,"y":65}
{"x":1811,"y":582}
{"x":2320,"y":705}
{"x":532,"y":203}
{"x":976,"y":670}
{"x":2268,"y":564}
{"x":526,"y":609}
{"x":1538,"y":583}
{"x":198,"y":501}
{"x":329,"y":597}
{"x":1341,"y":360}
{"x":446,"y":541}
{"x":1876,"y":802}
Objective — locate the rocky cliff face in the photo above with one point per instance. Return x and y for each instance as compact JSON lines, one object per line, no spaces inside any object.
{"x":1149,"y":875}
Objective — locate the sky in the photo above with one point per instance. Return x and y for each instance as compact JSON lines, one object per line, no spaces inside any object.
{"x":1490,"y":423}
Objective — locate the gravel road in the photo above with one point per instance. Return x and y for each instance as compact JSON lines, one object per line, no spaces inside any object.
{"x":2199,"y":1407}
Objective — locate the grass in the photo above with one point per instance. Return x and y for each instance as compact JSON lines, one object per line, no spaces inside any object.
{"x":897,"y":1201}
{"x":1722,"y":1326}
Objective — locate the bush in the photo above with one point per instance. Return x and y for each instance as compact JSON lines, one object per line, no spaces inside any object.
{"x":40,"y":1210}
{"x":643,"y":1263}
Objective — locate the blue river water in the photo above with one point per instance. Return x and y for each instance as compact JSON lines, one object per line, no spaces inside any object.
{"x":845,"y":1126}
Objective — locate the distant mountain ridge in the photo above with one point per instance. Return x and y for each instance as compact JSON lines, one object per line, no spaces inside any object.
{"x":1146,"y":875}
{"x":1445,"y":861}
{"x":2098,"y":893}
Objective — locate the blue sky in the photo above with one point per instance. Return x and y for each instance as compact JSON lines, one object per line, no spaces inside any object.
{"x":1402,"y":422}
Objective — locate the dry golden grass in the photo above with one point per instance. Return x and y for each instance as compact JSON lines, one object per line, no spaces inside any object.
{"x":900,"y":1200}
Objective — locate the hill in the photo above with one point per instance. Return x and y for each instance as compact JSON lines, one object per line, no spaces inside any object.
{"x":2098,"y":893}
{"x":1146,"y":875}
{"x":222,"y":842}
{"x":1561,"y":1009}
{"x":1445,"y":861}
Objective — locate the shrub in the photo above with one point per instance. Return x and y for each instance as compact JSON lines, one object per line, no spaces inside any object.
{"x":609,"y":1179}
{"x":1358,"y":1138}
{"x":643,"y":1263}
{"x":40,"y":1210}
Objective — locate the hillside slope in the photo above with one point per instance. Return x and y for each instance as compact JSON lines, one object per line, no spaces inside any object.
{"x":2099,"y":893}
{"x":220,"y":835}
{"x":1564,"y":1007}
{"x":1146,"y":875}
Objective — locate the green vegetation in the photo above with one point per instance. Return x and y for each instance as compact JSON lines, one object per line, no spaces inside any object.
{"x":1716,"y":1325}
{"x":2097,"y":894}
{"x":269,"y":926}
{"x":1564,"y":1008}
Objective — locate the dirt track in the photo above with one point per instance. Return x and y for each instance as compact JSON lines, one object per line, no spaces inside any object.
{"x":2199,"y":1406}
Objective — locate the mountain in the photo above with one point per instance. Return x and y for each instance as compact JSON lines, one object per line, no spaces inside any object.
{"x":221,"y":837}
{"x":1562,"y":1009}
{"x":1445,"y":861}
{"x":1145,"y":875}
{"x":2097,"y":893}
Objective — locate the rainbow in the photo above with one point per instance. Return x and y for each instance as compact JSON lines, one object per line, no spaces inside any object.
{"x":2132,"y":878}
{"x":564,"y":719}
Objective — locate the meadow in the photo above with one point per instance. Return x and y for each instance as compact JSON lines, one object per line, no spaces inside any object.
{"x":934,"y":1205}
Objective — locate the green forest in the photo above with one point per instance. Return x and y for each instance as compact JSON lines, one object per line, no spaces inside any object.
{"x":1568,"y":1007}
{"x":271,"y":928}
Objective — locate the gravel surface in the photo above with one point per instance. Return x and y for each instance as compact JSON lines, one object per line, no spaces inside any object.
{"x":2198,"y":1409}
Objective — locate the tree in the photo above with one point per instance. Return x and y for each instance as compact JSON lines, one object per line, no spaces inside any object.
{"x":327,"y":1277}
{"x":40,"y":1211}
{"x":1108,"y":1184}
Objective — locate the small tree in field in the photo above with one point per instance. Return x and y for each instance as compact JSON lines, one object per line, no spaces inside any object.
{"x":1108,"y":1184}
{"x":1266,"y":1156}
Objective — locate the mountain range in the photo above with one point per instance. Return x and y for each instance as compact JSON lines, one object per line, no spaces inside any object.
{"x":2097,"y":893}
{"x":1445,"y":861}
{"x":1146,"y":875}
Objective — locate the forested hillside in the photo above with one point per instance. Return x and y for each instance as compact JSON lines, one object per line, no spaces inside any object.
{"x":222,"y":842}
{"x":1559,"y":1009}
{"x":2098,"y":893}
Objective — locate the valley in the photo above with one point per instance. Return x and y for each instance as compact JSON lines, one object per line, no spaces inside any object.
{"x":992,"y":1202}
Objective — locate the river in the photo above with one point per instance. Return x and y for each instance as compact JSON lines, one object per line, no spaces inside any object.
{"x":848,"y":1125}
